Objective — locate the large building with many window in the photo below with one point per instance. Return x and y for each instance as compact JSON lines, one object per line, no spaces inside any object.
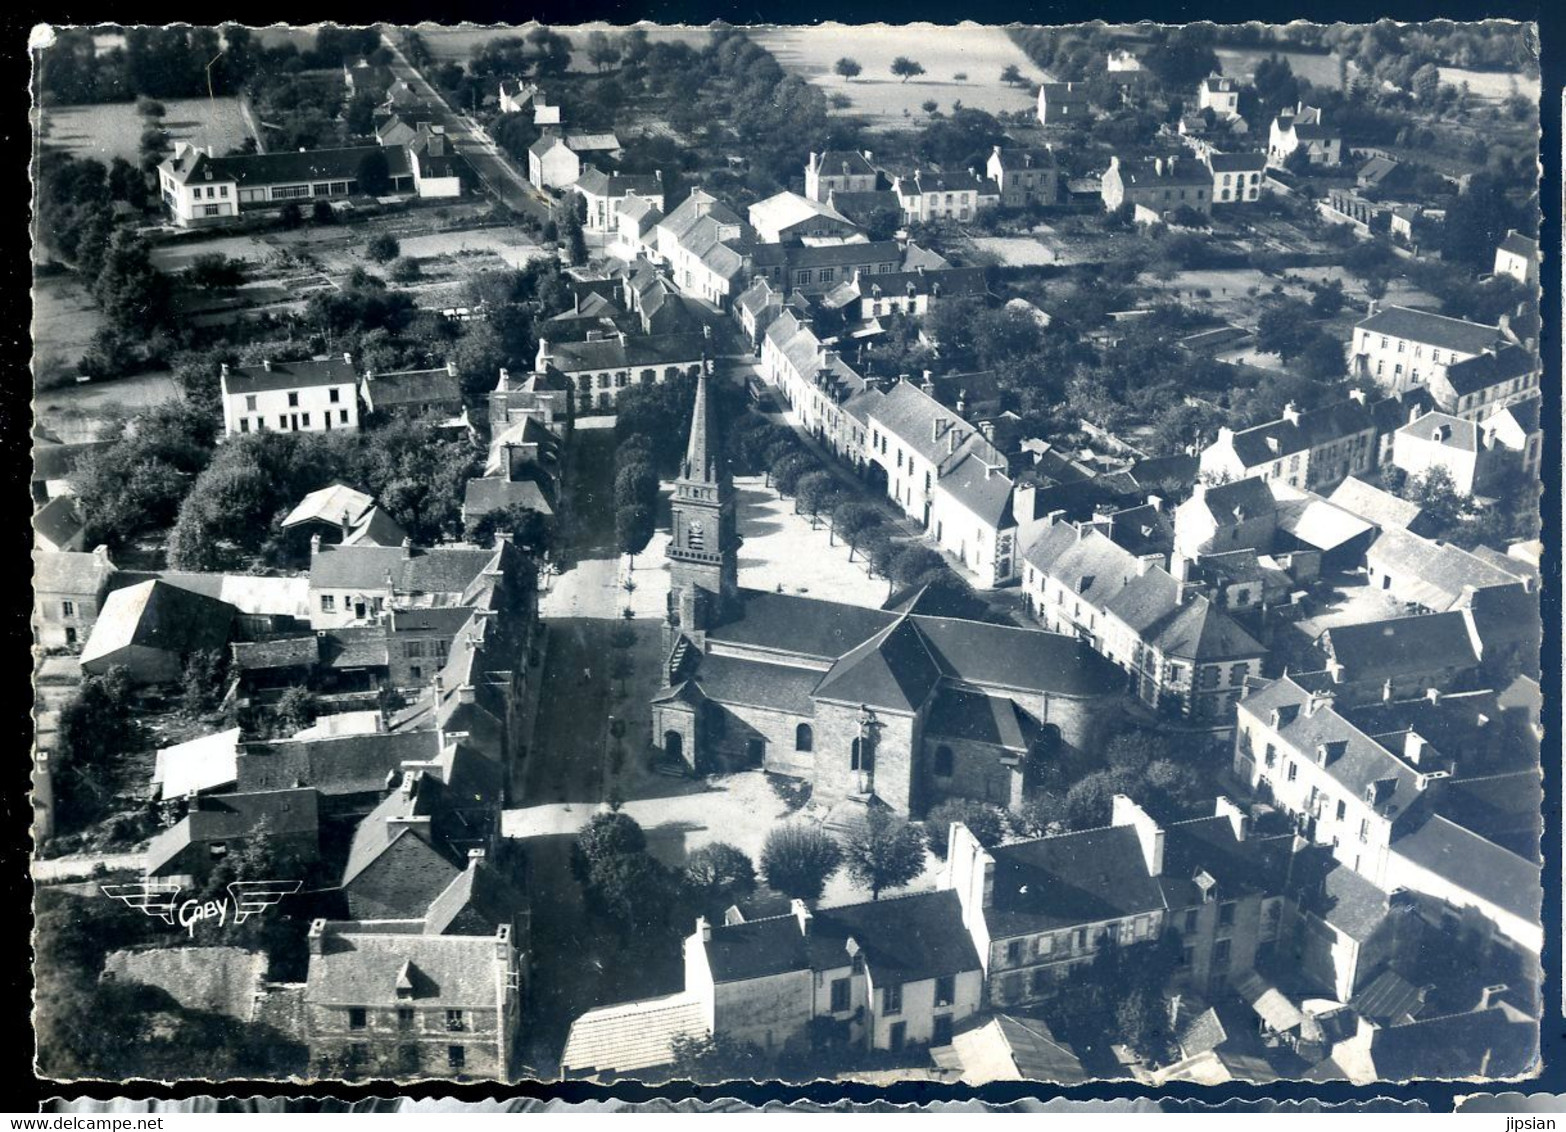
{"x":320,"y":395}
{"x":201,"y":189}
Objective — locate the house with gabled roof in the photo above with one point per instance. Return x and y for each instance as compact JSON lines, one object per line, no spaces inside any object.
{"x":1303,"y":127}
{"x":152,"y":628}
{"x":1401,"y":347}
{"x":842,"y":171}
{"x":1162,"y":184}
{"x":409,"y":1004}
{"x":1024,"y":175}
{"x":1061,"y":104}
{"x":788,"y":217}
{"x":604,"y":192}
{"x":1426,"y":574}
{"x":1238,"y":177}
{"x":415,"y":393}
{"x":317,"y":395}
{"x":1493,"y":379}
{"x":68,"y":591}
{"x":217,"y":826}
{"x":200,"y":188}
{"x":1402,"y":656}
{"x":1518,"y":256}
{"x":551,"y":163}
{"x":601,"y":367}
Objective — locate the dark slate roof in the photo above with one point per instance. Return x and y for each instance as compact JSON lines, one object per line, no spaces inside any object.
{"x":1009,"y":657}
{"x":234,"y":816}
{"x":961,"y":713}
{"x":1373,"y":504}
{"x":779,"y":687}
{"x":757,"y":949}
{"x":377,"y":833}
{"x":860,"y":206}
{"x":1184,"y":171}
{"x":1432,"y":329}
{"x":336,"y":765}
{"x":1146,"y":600}
{"x":1362,"y":761}
{"x":285,"y":167}
{"x":1471,"y":864}
{"x":804,"y":625}
{"x":1064,"y":92}
{"x":847,"y":254}
{"x":1249,"y":867}
{"x":844,"y":163}
{"x":482,"y":890}
{"x":1493,"y":367}
{"x":1198,"y":630}
{"x":1312,"y":429}
{"x":1239,"y":500}
{"x":440,"y":569}
{"x":1434,"y":572}
{"x":1387,"y":999}
{"x":982,"y":487}
{"x":364,"y":969}
{"x":290,"y":375}
{"x":1071,"y":880}
{"x":1237,"y":162}
{"x":1498,"y":1042}
{"x":283,"y":652}
{"x":904,"y":939}
{"x":600,"y":184}
{"x":354,"y":646}
{"x":1338,"y":895}
{"x":70,"y":572}
{"x":495,"y":494}
{"x":1518,"y":244}
{"x":615,"y":353}
{"x":894,"y":670}
{"x":953,"y":281}
{"x":1376,"y":650}
{"x":413,"y":387}
{"x":1503,"y":808}
{"x":1037,"y":1053}
{"x":156,"y":615}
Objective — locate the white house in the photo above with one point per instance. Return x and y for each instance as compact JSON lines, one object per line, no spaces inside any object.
{"x":1518,"y":256}
{"x":551,"y":164}
{"x":314,"y":396}
{"x":1303,"y":127}
{"x":434,"y":164}
{"x":1220,"y":95}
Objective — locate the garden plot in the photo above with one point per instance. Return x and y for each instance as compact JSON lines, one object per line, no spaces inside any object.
{"x":1015,"y":251}
{"x":980,"y":53}
{"x":177,"y":255}
{"x":107,"y":130}
{"x":503,"y":243}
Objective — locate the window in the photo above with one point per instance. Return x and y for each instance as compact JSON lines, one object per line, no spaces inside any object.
{"x":212,"y":210}
{"x":1040,"y":981}
{"x":68,"y":608}
{"x":1190,"y":920}
{"x":343,"y":415}
{"x":1187,"y":954}
{"x":695,"y":538}
{"x":804,"y":738}
{"x":250,"y":403}
{"x":454,"y":1020}
{"x":840,"y":996}
{"x":1294,"y":771}
{"x":1238,"y":672}
{"x":943,"y":761}
{"x":892,"y":999}
{"x":306,"y":420}
{"x":456,"y":1058}
{"x":946,"y":990}
{"x":1226,"y":914}
{"x":405,"y":1018}
{"x":244,"y":424}
{"x":899,"y":1034}
{"x":223,"y":191}
{"x":293,"y":400}
{"x":1014,"y":952}
{"x":356,"y":1017}
{"x":1209,"y":676}
{"x":1342,"y":810}
{"x":413,"y":649}
{"x":1221,"y":951}
{"x":1011,"y":987}
{"x":1364,"y":829}
{"x":1044,"y":945}
{"x":328,"y":603}
{"x":334,"y":395}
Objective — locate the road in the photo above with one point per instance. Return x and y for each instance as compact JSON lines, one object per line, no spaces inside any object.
{"x":57,"y":869}
{"x":470,"y":140}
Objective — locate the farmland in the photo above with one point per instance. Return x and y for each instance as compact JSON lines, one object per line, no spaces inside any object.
{"x":107,"y":130}
{"x":455,"y":45}
{"x":981,"y":53}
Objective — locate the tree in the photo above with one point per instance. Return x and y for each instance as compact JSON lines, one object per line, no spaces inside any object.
{"x":290,"y":216}
{"x":792,"y":468}
{"x":929,"y":106}
{"x":816,"y":492}
{"x":374,"y":175}
{"x":1011,"y":75}
{"x":1284,"y":329}
{"x":1088,"y":803}
{"x":848,"y":68}
{"x":634,"y":527}
{"x":1328,"y":299}
{"x":719,"y":874}
{"x":605,"y":835}
{"x":1426,"y":83}
{"x":905,"y":68}
{"x":214,"y":271}
{"x":322,"y":212}
{"x":914,"y":564}
{"x":1041,"y":815}
{"x":798,"y":860}
{"x":984,"y":821}
{"x":1324,"y":358}
{"x":404,"y":269}
{"x":295,"y":710}
{"x":202,"y":684}
{"x":852,"y":521}
{"x":382,"y":248}
{"x":1436,"y":495}
{"x":601,"y":51}
{"x":572,"y":236}
{"x":636,"y":893}
{"x":883,"y":851}
{"x":715,"y":1058}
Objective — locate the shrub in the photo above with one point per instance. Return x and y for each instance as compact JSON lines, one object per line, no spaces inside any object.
{"x":383,"y":248}
{"x":987,"y":823}
{"x":404,"y":270}
{"x":798,"y":860}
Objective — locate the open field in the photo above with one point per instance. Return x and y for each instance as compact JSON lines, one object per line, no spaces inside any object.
{"x":456,"y":44}
{"x":108,"y":130}
{"x":64,"y":318}
{"x":78,"y":414}
{"x":979,"y":52}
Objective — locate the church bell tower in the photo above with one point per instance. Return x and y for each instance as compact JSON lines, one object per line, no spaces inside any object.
{"x":703,"y":547}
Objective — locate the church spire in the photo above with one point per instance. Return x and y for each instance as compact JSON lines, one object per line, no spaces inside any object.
{"x":701,"y":450}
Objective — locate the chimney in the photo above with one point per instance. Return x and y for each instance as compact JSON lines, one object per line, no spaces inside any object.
{"x":1487,"y":999}
{"x":1373,"y":307}
{"x":407,"y":547}
{"x":1413,"y":747}
{"x":346,"y":525}
{"x":315,"y":544}
{"x":474,"y":857}
{"x":1291,"y":413}
{"x":101,"y":553}
{"x":317,"y":937}
{"x":465,"y":694}
{"x":704,"y":929}
{"x":1433,"y":695}
{"x":1238,"y":821}
{"x":1357,"y":396}
{"x":801,"y":913}
{"x":266,"y":364}
{"x":222,"y":369}
{"x":1180,"y":568}
{"x":1123,"y":812}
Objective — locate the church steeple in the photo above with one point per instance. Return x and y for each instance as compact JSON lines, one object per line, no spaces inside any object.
{"x":703,"y":543}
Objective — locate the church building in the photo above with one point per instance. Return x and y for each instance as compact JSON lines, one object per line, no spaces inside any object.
{"x":901,"y":705}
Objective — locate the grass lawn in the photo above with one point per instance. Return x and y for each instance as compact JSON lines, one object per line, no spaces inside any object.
{"x":107,"y":130}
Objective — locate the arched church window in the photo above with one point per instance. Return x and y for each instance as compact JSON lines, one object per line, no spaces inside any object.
{"x":804,"y":738}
